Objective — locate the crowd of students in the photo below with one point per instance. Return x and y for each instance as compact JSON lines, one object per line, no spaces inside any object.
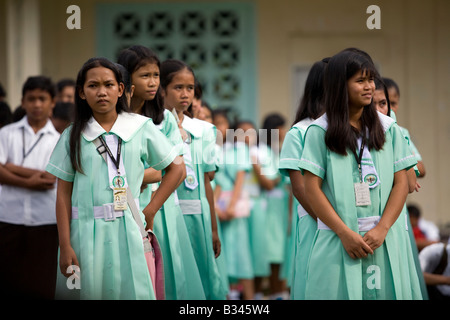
{"x":310,"y":209}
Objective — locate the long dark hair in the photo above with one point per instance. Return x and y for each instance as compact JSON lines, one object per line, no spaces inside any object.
{"x":391,"y":84}
{"x":132,"y":59}
{"x":340,"y":134}
{"x":126,"y":77}
{"x":380,"y":85}
{"x":224,"y":112}
{"x":271,"y":122}
{"x":168,"y":69}
{"x":198,"y":94}
{"x":311,"y":104}
{"x":83,"y":111}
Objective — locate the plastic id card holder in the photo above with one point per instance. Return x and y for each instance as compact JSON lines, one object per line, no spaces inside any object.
{"x":362,"y":194}
{"x":120,"y":199}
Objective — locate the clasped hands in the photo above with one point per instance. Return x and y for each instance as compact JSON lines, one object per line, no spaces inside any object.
{"x":358,"y":246}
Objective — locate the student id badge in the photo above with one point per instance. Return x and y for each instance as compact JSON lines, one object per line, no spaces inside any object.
{"x":120,"y":198}
{"x":191,"y":180}
{"x":362,"y":194}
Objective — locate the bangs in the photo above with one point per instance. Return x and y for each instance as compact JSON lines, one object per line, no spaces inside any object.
{"x":136,"y":57}
{"x":369,"y":72}
{"x":361,"y":63}
{"x":147,"y":60}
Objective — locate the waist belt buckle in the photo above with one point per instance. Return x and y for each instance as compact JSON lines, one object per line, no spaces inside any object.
{"x":109,"y":213}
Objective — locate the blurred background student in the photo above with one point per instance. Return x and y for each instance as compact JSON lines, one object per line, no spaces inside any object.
{"x":28,"y":233}
{"x":278,"y":209}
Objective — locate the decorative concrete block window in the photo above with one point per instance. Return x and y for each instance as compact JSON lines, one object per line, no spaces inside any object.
{"x":217,"y":40}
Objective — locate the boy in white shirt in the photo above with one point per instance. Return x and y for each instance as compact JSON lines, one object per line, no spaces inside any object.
{"x":28,"y":232}
{"x":434,"y":261}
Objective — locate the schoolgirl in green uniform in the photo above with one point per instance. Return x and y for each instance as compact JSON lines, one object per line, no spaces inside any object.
{"x":263,"y":176}
{"x":195,"y":193}
{"x":291,"y":153}
{"x":182,"y":278}
{"x":394,"y":98}
{"x":101,"y":248}
{"x":383,"y":105}
{"x":233,"y":210}
{"x":354,"y":162}
{"x":277,"y":208}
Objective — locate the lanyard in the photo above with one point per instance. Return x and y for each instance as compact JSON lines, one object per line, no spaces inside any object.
{"x":359,"y":159}
{"x":25,"y":154}
{"x":119,"y":151}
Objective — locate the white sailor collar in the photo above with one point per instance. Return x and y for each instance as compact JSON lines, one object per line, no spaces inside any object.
{"x":193,"y":126}
{"x":303,"y":124}
{"x":126,"y":125}
{"x":386,"y":122}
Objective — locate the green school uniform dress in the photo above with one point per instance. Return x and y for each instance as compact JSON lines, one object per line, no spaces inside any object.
{"x":418,"y":156}
{"x":287,"y":268}
{"x":221,"y":262}
{"x":277,"y":218}
{"x":257,"y":221}
{"x":108,"y":243}
{"x":235,"y":232}
{"x":285,"y":272}
{"x":390,"y":272}
{"x":181,"y":273}
{"x":199,"y":158}
{"x":306,"y":226}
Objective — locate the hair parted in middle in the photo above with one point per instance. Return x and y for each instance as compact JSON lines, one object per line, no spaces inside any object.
{"x":83,"y":111}
{"x":132,"y":59}
{"x":340,"y":135}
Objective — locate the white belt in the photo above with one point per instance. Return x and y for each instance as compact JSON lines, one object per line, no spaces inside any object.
{"x":301,"y":211}
{"x":275,"y":193}
{"x":105,"y":211}
{"x":253,"y":190}
{"x":190,"y":206}
{"x":364,"y":224}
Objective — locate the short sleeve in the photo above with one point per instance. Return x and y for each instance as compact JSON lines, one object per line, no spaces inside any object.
{"x":314,"y":156}
{"x":3,"y":145}
{"x":209,"y":157}
{"x":242,"y":157}
{"x":411,"y":144}
{"x":268,"y":161}
{"x":60,"y":164}
{"x":403,"y":157}
{"x":219,"y":178}
{"x":172,"y":131}
{"x":160,"y":151}
{"x":218,"y":157}
{"x":291,"y":151}
{"x":415,"y":151}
